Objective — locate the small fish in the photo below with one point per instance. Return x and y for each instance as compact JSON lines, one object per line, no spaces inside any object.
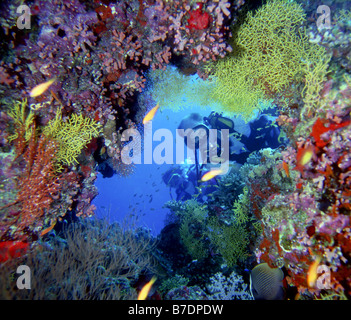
{"x":211,"y":174}
{"x":312,"y":272}
{"x":304,"y":155}
{"x":259,"y":137}
{"x":146,"y":289}
{"x":41,"y":88}
{"x":286,"y":169}
{"x":48,"y":229}
{"x":150,"y":115}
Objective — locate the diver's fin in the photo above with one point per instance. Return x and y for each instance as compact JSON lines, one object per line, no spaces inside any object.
{"x":225,"y":123}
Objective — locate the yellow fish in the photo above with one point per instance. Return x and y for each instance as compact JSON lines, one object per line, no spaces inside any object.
{"x":304,"y":155}
{"x":41,"y":88}
{"x":312,"y":272}
{"x":150,"y":115}
{"x":145,"y":290}
{"x":211,"y":174}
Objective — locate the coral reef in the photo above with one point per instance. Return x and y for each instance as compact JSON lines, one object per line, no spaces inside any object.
{"x":289,"y":207}
{"x":87,"y":260}
{"x":313,"y":219}
{"x":231,"y":288}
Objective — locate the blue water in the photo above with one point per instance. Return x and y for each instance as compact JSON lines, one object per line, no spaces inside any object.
{"x":143,"y":193}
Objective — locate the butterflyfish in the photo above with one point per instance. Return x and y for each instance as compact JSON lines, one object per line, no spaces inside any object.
{"x":266,"y":283}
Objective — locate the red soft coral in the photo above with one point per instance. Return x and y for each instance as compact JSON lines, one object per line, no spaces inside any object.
{"x":198,"y":20}
{"x":319,"y":128}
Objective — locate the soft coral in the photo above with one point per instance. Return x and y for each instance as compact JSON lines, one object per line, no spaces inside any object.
{"x":198,"y":20}
{"x":319,"y":128}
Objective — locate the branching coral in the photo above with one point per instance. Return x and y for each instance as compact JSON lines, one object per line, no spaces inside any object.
{"x":71,"y":136}
{"x":23,"y":121}
{"x":202,"y":233}
{"x":270,"y":52}
{"x":231,"y":241}
{"x":314,"y":79}
{"x":38,"y":186}
{"x":172,"y":89}
{"x":228,"y":288}
{"x":241,"y":208}
{"x":192,"y":229}
{"x":43,"y":191}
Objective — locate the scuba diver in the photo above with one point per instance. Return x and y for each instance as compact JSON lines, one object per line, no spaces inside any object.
{"x":244,"y":138}
{"x":182,"y":181}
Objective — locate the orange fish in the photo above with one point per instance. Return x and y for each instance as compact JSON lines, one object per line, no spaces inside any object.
{"x":211,"y":174}
{"x":150,"y":115}
{"x":41,"y":88}
{"x":146,"y":289}
{"x":286,"y":169}
{"x":48,"y":229}
{"x":312,"y":272}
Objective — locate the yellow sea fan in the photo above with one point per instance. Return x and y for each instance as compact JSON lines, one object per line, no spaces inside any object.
{"x":22,"y":120}
{"x":71,"y":135}
{"x":271,"y":48}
